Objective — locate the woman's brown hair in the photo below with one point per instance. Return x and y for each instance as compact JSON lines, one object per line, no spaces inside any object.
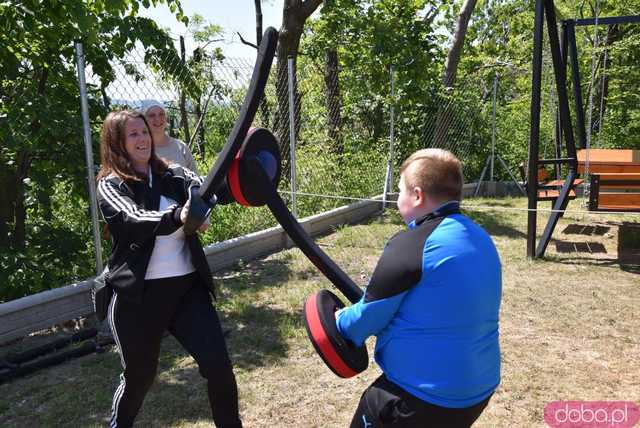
{"x":114,"y":158}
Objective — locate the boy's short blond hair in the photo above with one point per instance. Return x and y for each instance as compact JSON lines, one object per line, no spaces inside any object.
{"x":436,"y":171}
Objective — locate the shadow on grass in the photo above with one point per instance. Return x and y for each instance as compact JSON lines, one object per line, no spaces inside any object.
{"x":582,"y":260}
{"x":628,"y":257}
{"x":580,"y":247}
{"x":257,"y":332}
{"x":629,"y":247}
{"x":495,"y":225}
{"x":588,"y":230}
{"x":506,"y":202}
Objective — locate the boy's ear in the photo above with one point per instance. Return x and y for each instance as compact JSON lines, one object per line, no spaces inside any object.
{"x":419,"y":196}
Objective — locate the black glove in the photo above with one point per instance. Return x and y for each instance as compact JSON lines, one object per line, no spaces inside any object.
{"x":197,"y":210}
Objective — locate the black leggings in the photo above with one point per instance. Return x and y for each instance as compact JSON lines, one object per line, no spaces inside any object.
{"x":183,"y":307}
{"x":385,"y":404}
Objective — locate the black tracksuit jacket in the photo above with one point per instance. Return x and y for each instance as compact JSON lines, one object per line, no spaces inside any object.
{"x":131,"y":210}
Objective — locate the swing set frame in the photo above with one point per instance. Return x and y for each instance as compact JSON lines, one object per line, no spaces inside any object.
{"x":563,"y":48}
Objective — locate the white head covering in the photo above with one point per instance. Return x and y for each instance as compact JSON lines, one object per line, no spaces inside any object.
{"x":149,"y":104}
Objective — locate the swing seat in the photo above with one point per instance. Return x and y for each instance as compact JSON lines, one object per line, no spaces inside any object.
{"x":550,"y":191}
{"x":615,"y":192}
{"x":615,"y":179}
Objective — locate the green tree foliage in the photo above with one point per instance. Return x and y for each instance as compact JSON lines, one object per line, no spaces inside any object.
{"x":370,"y":38}
{"x":44,"y":232}
{"x":500,"y":42}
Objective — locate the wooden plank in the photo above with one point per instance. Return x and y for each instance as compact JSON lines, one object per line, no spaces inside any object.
{"x":550,"y":195}
{"x":621,"y":185}
{"x":619,"y":199}
{"x":630,"y":208}
{"x":42,"y":310}
{"x":619,"y":181}
{"x":619,"y":176}
{"x":609,"y":161}
{"x":609,"y":169}
{"x":560,"y":183}
{"x":229,"y":252}
{"x":610,"y":156}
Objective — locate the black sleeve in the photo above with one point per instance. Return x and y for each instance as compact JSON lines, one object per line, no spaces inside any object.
{"x":400,"y":266}
{"x":127,"y":219}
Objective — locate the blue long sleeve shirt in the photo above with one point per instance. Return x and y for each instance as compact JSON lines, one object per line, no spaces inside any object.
{"x":433,"y":303}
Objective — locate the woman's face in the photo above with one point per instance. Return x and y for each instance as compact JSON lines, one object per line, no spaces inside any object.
{"x":137,"y":143}
{"x":157,"y":119}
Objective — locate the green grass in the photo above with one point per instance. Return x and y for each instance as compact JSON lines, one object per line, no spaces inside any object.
{"x":569,"y":330}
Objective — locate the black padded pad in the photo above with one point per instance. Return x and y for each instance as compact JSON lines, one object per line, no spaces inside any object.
{"x":340,"y":355}
{"x":262,"y":146}
{"x":261,"y":70}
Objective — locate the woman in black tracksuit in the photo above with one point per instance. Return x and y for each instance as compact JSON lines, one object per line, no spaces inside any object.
{"x":160,"y":275}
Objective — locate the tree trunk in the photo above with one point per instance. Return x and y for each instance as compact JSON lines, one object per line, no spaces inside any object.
{"x":44,"y":202}
{"x":184,"y":117}
{"x":453,"y":58}
{"x":20,"y":213}
{"x":23,"y":165}
{"x":451,"y":68}
{"x":6,"y":202}
{"x":377,"y":132}
{"x":198,"y":55}
{"x":601,"y":91}
{"x":294,"y":15}
{"x":264,"y":108}
{"x":105,"y":98}
{"x":258,"y":6}
{"x":332,"y":99}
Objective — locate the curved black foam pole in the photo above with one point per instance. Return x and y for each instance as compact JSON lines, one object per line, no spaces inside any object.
{"x":288,"y":222}
{"x":259,"y":78}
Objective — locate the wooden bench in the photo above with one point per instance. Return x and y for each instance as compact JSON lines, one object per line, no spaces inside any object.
{"x":615,"y":178}
{"x":550,"y":190}
{"x":615,"y":192}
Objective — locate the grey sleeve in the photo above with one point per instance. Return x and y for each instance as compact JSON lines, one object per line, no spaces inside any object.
{"x":190,"y":162}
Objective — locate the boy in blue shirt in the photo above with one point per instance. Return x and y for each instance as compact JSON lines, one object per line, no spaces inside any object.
{"x":433,"y":303}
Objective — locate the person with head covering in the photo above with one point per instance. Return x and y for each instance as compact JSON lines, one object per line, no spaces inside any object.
{"x":166,"y":147}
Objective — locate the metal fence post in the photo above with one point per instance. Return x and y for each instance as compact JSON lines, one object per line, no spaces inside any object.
{"x":493,"y":126}
{"x":388,"y":180}
{"x":292,"y":135}
{"x":88,"y":151}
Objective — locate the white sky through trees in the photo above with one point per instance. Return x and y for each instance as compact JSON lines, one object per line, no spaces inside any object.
{"x":233,"y":16}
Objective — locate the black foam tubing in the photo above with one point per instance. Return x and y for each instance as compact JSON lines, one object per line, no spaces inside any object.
{"x":288,"y":222}
{"x":30,"y":354}
{"x":86,"y":348}
{"x":259,"y":78}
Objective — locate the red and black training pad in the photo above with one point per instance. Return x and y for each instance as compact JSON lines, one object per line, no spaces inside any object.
{"x":215,"y":179}
{"x":260,"y":144}
{"x":340,"y":355}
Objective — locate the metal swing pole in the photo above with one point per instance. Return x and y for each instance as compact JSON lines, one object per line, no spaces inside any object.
{"x":534,"y":131}
{"x":388,"y":179}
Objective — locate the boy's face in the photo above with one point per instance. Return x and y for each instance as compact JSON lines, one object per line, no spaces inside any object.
{"x":409,"y":201}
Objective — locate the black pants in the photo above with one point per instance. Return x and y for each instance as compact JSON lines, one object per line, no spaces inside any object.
{"x":183,"y":307}
{"x":384,"y":404}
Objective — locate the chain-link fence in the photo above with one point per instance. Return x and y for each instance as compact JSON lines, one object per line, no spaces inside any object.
{"x":43,"y":198}
{"x":336,"y":147}
{"x":346,"y":142}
